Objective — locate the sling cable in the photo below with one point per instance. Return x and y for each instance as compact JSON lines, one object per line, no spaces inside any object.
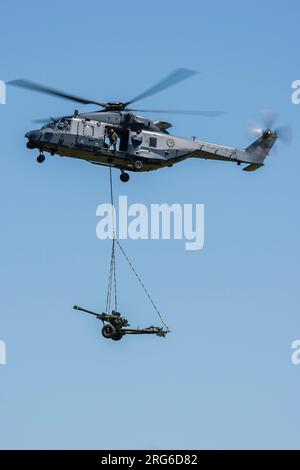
{"x":115,"y":326}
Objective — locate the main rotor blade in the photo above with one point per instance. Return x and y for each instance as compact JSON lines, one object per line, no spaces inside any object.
{"x":175,"y":77}
{"x":184,"y":111}
{"x":49,"y":119}
{"x":41,"y":121}
{"x":52,"y":91}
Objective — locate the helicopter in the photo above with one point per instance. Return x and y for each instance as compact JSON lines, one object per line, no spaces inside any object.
{"x":140,"y":144}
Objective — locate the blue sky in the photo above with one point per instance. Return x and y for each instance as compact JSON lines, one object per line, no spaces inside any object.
{"x":223,"y":378}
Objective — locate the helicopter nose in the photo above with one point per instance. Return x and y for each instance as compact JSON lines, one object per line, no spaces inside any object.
{"x":33,"y":139}
{"x":32,"y":135}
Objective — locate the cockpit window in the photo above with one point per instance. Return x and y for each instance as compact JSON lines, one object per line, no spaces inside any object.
{"x":49,"y":125}
{"x":52,"y":125}
{"x":62,"y":124}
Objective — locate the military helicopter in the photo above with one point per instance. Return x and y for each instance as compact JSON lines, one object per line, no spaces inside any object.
{"x":140,"y":144}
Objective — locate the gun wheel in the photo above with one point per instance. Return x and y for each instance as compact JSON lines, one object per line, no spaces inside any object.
{"x":117,"y":337}
{"x":108,"y":331}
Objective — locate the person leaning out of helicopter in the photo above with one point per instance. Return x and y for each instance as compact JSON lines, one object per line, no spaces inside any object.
{"x":112,"y":137}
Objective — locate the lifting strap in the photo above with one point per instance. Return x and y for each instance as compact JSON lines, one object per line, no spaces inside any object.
{"x":112,"y":278}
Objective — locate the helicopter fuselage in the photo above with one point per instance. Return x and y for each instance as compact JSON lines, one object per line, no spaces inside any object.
{"x":140,"y":144}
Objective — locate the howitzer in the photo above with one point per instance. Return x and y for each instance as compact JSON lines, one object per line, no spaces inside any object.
{"x":115,"y":325}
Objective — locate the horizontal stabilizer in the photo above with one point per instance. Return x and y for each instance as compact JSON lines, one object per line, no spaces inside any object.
{"x":252,"y":167}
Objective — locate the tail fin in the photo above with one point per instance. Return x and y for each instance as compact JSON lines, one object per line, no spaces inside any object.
{"x":261,"y":147}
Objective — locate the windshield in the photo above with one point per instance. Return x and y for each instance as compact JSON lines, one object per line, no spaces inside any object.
{"x":61,"y":124}
{"x":51,"y":125}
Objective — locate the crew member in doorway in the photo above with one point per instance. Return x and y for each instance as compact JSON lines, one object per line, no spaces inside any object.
{"x":113,"y":138}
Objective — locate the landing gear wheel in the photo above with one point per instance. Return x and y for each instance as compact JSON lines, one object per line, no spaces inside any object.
{"x":138,"y":165}
{"x":40,"y":158}
{"x":30,"y":145}
{"x":124,"y":177}
{"x":108,"y":331}
{"x":117,"y":337}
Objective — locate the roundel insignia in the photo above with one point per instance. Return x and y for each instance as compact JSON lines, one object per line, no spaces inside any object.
{"x":170,"y":143}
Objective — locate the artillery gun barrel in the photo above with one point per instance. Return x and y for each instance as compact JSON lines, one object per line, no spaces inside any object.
{"x":76,"y":307}
{"x":102,"y":316}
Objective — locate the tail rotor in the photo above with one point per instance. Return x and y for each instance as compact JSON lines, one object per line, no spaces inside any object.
{"x":269,"y":118}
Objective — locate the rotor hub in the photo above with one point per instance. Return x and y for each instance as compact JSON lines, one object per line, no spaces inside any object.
{"x":115,"y":106}
{"x":267,"y":133}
